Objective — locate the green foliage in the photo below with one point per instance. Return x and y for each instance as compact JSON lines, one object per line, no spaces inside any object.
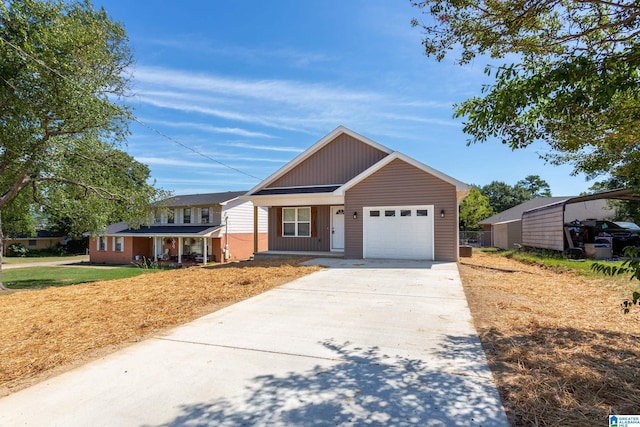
{"x":473,"y":209}
{"x":626,"y":210}
{"x":502,"y":196}
{"x":629,"y":266}
{"x":569,"y":78}
{"x":18,"y":249}
{"x":535,"y":186}
{"x":63,"y":68}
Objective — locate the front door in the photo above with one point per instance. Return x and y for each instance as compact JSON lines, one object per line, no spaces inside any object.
{"x":337,"y":228}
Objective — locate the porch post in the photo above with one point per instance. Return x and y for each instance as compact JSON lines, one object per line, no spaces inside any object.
{"x":179,"y":250}
{"x":204,"y":251}
{"x":155,"y":249}
{"x":255,"y":229}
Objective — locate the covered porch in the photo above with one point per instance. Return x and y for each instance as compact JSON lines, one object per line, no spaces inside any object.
{"x":186,"y":245}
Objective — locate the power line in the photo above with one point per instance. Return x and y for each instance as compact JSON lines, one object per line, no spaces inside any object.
{"x":206,"y":156}
{"x":131,"y":116}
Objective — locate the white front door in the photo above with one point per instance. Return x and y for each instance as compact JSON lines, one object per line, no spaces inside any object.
{"x":337,"y":228}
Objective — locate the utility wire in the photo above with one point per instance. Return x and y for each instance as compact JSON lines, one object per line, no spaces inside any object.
{"x":206,"y":156}
{"x":131,"y":116}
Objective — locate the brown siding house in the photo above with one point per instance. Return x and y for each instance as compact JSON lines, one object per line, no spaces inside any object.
{"x":353,"y":197}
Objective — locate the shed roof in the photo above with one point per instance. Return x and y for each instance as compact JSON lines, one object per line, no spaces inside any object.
{"x":515,"y":213}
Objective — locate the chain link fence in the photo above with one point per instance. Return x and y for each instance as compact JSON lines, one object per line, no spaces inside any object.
{"x":476,"y":239}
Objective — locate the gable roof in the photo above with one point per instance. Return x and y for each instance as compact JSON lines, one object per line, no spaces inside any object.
{"x":314,"y":149}
{"x":338,"y":190}
{"x":460,"y":186}
{"x":201,"y":199}
{"x":515,"y":213}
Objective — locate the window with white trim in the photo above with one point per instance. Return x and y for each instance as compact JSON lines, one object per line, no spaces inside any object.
{"x":118,"y":244}
{"x":204,"y":216}
{"x":296,"y":222}
{"x":186,"y":216}
{"x":102,"y":243}
{"x":171,"y":215}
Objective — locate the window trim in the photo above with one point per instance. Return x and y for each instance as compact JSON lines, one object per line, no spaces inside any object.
{"x":115,"y":243}
{"x":102,"y":247}
{"x":205,"y":219}
{"x":184,"y":215}
{"x":296,"y":222}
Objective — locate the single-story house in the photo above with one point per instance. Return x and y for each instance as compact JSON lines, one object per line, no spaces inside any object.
{"x":190,"y":228}
{"x":505,"y":229}
{"x":44,"y":239}
{"x":349,"y":196}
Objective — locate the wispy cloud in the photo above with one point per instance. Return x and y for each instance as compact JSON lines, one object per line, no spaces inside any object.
{"x":285,"y":56}
{"x":161,"y":161}
{"x":264,"y":147}
{"x":208,"y":128}
{"x":283,"y":105}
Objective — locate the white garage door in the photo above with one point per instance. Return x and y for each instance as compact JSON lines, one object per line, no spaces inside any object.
{"x":398,"y":232}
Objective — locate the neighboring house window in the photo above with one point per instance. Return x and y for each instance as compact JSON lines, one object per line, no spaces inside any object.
{"x":118,"y":244}
{"x":204,"y":215}
{"x":186,"y":218}
{"x":171,"y":216}
{"x":157,"y":216}
{"x":102,"y":243}
{"x":296,"y":222}
{"x":32,"y":243}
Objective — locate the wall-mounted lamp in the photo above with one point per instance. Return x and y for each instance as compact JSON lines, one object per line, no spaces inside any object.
{"x":355,"y":215}
{"x":442,"y":213}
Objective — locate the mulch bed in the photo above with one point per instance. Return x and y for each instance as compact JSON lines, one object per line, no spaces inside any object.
{"x":560,"y":350}
{"x":53,"y":329}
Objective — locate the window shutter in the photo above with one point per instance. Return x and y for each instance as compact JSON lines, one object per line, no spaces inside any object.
{"x":314,"y":220}
{"x":279,"y":219}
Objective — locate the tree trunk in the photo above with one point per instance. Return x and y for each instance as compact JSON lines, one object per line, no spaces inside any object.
{"x":2,"y":288}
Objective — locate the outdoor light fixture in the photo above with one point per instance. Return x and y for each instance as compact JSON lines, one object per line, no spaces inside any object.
{"x":355,"y":215}
{"x":442,"y":213}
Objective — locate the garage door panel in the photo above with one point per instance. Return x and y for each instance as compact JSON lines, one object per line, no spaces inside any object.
{"x":398,"y":236}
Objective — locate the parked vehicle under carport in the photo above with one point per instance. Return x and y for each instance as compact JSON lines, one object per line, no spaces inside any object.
{"x":604,"y":233}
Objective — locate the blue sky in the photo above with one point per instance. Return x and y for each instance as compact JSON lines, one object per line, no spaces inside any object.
{"x":252,"y":84}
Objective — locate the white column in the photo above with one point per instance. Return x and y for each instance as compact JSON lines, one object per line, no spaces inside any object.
{"x":155,"y":249}
{"x":204,"y":250}
{"x":179,"y":250}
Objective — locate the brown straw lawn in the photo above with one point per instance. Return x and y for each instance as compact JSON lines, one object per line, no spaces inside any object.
{"x":47,"y":331}
{"x":561,"y":351}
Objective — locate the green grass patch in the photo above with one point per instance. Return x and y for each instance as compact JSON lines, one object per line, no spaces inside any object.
{"x":44,"y":277}
{"x":554,"y":261}
{"x":23,"y":260}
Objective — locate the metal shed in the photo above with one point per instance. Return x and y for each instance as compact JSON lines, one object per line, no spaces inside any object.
{"x":543,"y":227}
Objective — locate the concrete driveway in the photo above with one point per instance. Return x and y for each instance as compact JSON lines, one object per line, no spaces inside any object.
{"x":380,"y":343}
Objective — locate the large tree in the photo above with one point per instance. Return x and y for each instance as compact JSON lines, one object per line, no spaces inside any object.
{"x":473,"y":209}
{"x":535,"y":186}
{"x":566,"y":73}
{"x":63,"y":77}
{"x":503,"y":196}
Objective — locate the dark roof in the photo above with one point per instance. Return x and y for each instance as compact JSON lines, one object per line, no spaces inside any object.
{"x":515,"y":213}
{"x":297,"y":190}
{"x":170,"y":230}
{"x":201,"y":199}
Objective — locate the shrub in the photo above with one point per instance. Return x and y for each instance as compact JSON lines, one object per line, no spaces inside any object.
{"x":17,"y":249}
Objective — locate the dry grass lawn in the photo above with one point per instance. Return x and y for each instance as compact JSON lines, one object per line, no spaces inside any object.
{"x":561,"y":351}
{"x":47,"y":331}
